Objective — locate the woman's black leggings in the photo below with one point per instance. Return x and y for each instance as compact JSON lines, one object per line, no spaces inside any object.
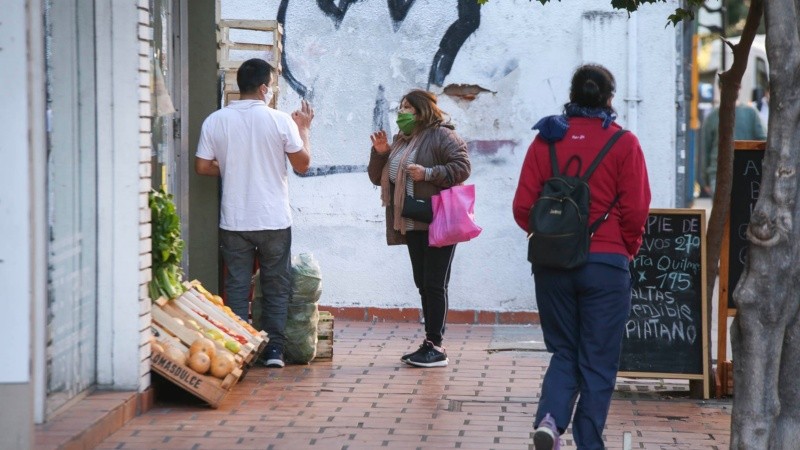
{"x":431,"y":267}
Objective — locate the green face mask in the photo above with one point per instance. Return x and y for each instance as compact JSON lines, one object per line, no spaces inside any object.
{"x":406,"y":122}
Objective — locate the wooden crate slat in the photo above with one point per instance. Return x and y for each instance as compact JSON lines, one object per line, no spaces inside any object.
{"x":258,"y":25}
{"x":269,"y":48}
{"x":324,"y":350}
{"x":231,"y":378}
{"x":167,"y":322}
{"x":325,"y":336}
{"x":165,"y":337}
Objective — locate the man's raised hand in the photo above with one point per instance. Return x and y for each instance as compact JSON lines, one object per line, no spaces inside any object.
{"x":303,"y":116}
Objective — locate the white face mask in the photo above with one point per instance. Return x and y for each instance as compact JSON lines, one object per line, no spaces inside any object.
{"x":268,"y":95}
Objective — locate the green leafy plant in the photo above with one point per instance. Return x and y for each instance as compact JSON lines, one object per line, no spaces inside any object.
{"x":167,"y":246}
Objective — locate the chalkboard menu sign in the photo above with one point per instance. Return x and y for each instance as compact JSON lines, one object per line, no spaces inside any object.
{"x":664,"y":335}
{"x":747,"y":161}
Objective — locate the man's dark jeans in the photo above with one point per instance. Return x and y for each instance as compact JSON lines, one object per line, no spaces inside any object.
{"x":273,"y":250}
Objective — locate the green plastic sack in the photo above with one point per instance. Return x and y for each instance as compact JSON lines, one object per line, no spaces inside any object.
{"x":301,"y":334}
{"x":307,"y":279}
{"x":303,"y":314}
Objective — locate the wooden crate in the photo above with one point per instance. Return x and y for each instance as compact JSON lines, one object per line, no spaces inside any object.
{"x":208,"y":388}
{"x":239,"y":40}
{"x":325,"y":336}
{"x":164,"y":317}
{"x":724,"y":379}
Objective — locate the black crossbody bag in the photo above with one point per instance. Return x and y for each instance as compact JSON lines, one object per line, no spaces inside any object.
{"x":417,"y":209}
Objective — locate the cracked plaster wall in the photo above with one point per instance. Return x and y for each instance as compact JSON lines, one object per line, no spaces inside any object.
{"x":521,"y":57}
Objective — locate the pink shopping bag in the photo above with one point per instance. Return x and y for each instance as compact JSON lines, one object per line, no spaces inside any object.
{"x":453,"y":216}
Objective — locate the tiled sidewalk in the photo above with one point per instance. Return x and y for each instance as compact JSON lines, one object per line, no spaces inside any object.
{"x":365,"y":398}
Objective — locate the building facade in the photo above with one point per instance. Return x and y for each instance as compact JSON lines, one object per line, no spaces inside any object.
{"x":104,"y":99}
{"x":76,"y":235}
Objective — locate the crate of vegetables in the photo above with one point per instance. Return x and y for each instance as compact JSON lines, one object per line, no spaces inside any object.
{"x":217,"y":312}
{"x":188,"y":326}
{"x":201,"y":369}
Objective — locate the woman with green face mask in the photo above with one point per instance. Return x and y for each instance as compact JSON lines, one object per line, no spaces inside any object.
{"x":424,"y":157}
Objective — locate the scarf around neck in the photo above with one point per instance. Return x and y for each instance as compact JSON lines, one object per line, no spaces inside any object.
{"x":553,"y":128}
{"x":405,"y":145}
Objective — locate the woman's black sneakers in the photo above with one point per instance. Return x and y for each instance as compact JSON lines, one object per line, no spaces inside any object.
{"x":422,"y":347}
{"x":427,"y":355}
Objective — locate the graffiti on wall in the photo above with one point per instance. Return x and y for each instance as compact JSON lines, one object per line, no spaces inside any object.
{"x":469,"y":19}
{"x":443,"y":44}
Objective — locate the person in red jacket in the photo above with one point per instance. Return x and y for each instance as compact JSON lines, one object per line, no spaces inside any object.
{"x":583,"y":310}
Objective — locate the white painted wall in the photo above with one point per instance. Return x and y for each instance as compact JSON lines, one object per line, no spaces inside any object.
{"x":22,"y":230}
{"x":523,"y":53}
{"x":123,"y":315}
{"x":16,"y":270}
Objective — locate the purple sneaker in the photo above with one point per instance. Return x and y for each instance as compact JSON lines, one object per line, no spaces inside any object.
{"x":546,"y":435}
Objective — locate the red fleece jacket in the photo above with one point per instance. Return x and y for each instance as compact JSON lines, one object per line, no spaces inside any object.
{"x":622,"y":171}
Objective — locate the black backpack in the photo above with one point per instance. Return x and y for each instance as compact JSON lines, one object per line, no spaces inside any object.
{"x":559,"y":232}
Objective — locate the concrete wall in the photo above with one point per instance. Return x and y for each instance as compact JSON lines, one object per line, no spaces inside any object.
{"x":145,"y":88}
{"x":497,"y":69}
{"x":18,"y":227}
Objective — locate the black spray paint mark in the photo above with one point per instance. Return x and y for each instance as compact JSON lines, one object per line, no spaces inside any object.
{"x":398,"y":9}
{"x":335,"y":12}
{"x":321,"y":171}
{"x":469,"y":19}
{"x":380,"y":114}
{"x":286,"y":72}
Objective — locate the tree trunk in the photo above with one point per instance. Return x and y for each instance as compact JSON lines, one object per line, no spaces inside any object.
{"x":730,"y":82}
{"x":766,"y":331}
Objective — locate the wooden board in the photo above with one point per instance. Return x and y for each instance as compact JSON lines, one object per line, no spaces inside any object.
{"x":232,"y":51}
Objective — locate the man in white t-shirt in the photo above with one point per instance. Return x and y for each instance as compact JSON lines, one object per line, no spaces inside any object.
{"x":246,"y":144}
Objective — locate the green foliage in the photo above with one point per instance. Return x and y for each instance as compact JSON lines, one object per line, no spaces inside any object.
{"x":679,"y":15}
{"x":167,"y":247}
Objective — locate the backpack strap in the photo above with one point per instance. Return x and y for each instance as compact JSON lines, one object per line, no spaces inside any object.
{"x":602,"y":154}
{"x":596,"y":224}
{"x":553,"y":160}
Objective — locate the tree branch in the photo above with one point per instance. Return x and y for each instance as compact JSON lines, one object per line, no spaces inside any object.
{"x":730,"y":81}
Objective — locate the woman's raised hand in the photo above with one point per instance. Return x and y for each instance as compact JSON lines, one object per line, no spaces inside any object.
{"x":379,"y":142}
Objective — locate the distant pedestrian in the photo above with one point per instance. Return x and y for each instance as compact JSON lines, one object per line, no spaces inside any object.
{"x":762,"y":106}
{"x":247,"y":144}
{"x":748,"y":126}
{"x":425,"y":156}
{"x":583,"y":310}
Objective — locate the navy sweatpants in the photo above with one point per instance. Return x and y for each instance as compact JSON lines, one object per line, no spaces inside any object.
{"x":583,"y":313}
